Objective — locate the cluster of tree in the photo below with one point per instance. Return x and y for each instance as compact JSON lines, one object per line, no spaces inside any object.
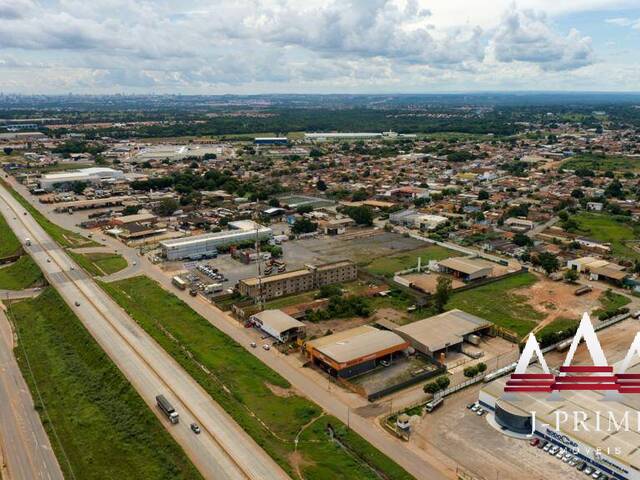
{"x":439,"y":384}
{"x":78,"y":146}
{"x":474,"y":370}
{"x":304,"y":225}
{"x":442,"y":294}
{"x":460,"y":156}
{"x":361,"y":215}
{"x":342,"y":307}
{"x":547,"y":261}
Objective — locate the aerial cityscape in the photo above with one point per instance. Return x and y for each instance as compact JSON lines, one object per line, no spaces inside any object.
{"x":385,"y":240}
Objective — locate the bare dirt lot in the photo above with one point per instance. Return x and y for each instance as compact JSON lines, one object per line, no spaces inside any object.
{"x":556,"y":299}
{"x":429,"y":281}
{"x":469,"y":441}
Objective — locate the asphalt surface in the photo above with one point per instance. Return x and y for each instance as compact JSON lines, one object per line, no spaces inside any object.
{"x":223,"y":450}
{"x":26,"y":450}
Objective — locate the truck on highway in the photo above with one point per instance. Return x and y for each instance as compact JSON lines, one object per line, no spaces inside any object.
{"x":167,"y":409}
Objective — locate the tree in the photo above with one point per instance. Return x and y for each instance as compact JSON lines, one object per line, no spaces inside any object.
{"x":361,"y":215}
{"x":78,"y":187}
{"x":571,"y":275}
{"x":304,"y":225}
{"x":470,"y":372}
{"x":130,"y":210}
{"x":483,"y":195}
{"x":481,"y":367}
{"x":7,"y":150}
{"x":327,"y":291}
{"x":522,"y":240}
{"x":167,"y":207}
{"x":321,"y":185}
{"x":577,"y":193}
{"x":548,"y":262}
{"x":443,"y":293}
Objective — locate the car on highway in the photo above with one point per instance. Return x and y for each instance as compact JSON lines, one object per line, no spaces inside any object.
{"x":77,"y":303}
{"x":253,"y":344}
{"x":195,"y":428}
{"x":48,"y":260}
{"x":134,"y":262}
{"x":266,"y":346}
{"x":72,"y":267}
{"x":24,"y":213}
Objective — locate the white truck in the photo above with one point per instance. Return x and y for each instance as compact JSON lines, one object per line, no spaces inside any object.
{"x":27,"y":242}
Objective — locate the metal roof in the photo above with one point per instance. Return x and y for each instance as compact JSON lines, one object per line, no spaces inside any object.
{"x":356,"y":343}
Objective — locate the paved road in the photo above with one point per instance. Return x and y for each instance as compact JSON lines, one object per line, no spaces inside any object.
{"x":26,"y":450}
{"x":406,"y":455}
{"x":223,"y":450}
{"x":414,"y":460}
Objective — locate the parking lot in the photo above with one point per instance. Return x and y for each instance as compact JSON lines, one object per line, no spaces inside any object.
{"x":469,"y":440}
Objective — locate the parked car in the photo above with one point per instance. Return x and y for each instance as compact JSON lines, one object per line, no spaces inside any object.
{"x":542,"y":444}
{"x":534,"y":442}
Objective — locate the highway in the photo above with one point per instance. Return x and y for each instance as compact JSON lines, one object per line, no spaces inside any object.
{"x":223,"y":450}
{"x":25,"y":447}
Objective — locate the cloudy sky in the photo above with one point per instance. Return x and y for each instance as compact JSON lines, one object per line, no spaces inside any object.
{"x":318,"y":46}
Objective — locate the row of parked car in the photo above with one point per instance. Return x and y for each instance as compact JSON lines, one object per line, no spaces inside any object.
{"x":212,"y":273}
{"x":568,"y":458}
{"x":476,"y":408}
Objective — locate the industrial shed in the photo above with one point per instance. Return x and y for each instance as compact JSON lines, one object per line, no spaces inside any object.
{"x":466,"y":268}
{"x":355,"y":351}
{"x":278,"y":324}
{"x":442,"y":333}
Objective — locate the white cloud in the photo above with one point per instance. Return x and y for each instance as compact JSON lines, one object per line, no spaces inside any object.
{"x":624,"y":22}
{"x":288,"y":45}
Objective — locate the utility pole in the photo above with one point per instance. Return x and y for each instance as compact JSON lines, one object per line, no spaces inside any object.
{"x":260,"y":297}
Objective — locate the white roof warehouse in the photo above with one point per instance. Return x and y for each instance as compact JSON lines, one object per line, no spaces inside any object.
{"x":93,"y":175}
{"x":200,"y":246}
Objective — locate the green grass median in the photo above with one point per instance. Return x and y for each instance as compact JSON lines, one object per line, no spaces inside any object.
{"x":98,"y":264}
{"x":21,"y":274}
{"x":9,"y":243}
{"x":99,"y":427}
{"x":259,"y":399}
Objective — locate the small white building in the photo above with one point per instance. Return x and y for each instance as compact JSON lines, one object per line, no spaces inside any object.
{"x":278,"y":324}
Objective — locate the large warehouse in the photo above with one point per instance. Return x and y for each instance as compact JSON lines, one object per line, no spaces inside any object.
{"x":355,"y":351}
{"x":94,"y":175}
{"x":616,"y":452}
{"x":442,"y":333}
{"x":466,"y":268}
{"x":200,"y":246}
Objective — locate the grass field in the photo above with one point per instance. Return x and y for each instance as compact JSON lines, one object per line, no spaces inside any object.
{"x":62,"y":236}
{"x":21,"y":274}
{"x":254,"y":395}
{"x":611,"y":301}
{"x":497,"y":303}
{"x":99,"y":264}
{"x":9,"y":243}
{"x":387,"y":266}
{"x":610,"y":162}
{"x":617,"y":231}
{"x":92,"y":415}
{"x":58,"y":167}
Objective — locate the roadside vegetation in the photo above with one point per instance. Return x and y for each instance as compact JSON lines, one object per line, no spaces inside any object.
{"x":9,"y":243}
{"x":610,"y":302}
{"x":99,"y":426}
{"x":98,"y":264}
{"x":261,"y":401}
{"x":387,"y":266}
{"x":62,"y":236}
{"x":498,"y":303}
{"x":21,"y":274}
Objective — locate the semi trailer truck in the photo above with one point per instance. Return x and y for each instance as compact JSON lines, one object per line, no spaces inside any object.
{"x":167,"y":409}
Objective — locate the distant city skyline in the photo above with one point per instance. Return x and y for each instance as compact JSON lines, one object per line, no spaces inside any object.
{"x":317,"y":46}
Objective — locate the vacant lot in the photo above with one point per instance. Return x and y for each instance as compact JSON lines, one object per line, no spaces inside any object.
{"x":93,"y":416}
{"x":98,"y":264}
{"x":9,"y":243}
{"x":64,"y":237}
{"x":617,"y":231}
{"x":19,"y":275}
{"x":614,"y":163}
{"x":498,"y":303}
{"x":259,"y":399}
{"x":388,"y":265}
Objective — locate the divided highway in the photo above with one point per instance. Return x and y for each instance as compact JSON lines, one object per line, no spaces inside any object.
{"x":223,"y":450}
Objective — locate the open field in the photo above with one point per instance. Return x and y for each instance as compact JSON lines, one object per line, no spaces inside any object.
{"x":261,"y":401}
{"x":498,"y":303}
{"x":21,"y":274}
{"x":98,"y":264}
{"x":9,"y":243}
{"x":388,"y":265}
{"x":611,"y":301}
{"x":610,"y":229}
{"x":62,"y":236}
{"x":614,"y":163}
{"x":99,"y":427}
{"x":58,"y":167}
